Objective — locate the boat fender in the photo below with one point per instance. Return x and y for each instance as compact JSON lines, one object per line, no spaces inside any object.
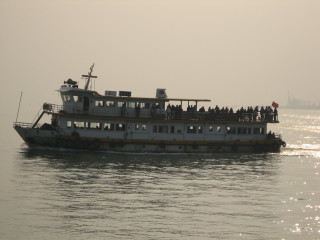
{"x":283,"y":144}
{"x":59,"y":142}
{"x":162,"y":145}
{"x":275,"y":146}
{"x":234,"y":148}
{"x":75,"y":134}
{"x":265,"y":147}
{"x":68,"y":143}
{"x":257,"y":147}
{"x":78,"y":143}
{"x":121,"y":144}
{"x":113,"y":144}
{"x":95,"y":144}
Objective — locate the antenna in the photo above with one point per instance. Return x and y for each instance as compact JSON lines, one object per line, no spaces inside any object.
{"x":19,"y":107}
{"x":89,"y":76}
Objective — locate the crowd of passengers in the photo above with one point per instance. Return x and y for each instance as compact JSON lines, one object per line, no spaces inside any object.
{"x":242,"y":114}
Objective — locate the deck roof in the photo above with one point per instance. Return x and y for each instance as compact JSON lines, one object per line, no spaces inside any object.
{"x":96,"y":94}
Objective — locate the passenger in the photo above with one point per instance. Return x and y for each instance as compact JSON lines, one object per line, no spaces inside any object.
{"x":153,"y":110}
{"x":251,"y":112}
{"x":168,"y":112}
{"x":275,"y":115}
{"x":217,"y":109}
{"x":255,"y":113}
{"x":137,"y":110}
{"x":262,"y":114}
{"x":238,"y":115}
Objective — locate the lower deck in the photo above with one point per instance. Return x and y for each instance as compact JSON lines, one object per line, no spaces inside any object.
{"x":49,"y":138}
{"x":132,"y":129}
{"x":136,"y":135}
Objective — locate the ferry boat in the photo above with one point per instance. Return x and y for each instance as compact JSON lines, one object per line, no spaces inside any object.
{"x":119,"y":122}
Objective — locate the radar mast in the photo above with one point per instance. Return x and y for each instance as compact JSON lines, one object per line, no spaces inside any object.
{"x":88,"y":77}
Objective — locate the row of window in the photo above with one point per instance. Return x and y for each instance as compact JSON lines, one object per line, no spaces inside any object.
{"x":102,"y":103}
{"x":192,"y":129}
{"x":96,"y":125}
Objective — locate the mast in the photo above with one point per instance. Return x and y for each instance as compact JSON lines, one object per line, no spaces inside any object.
{"x":89,"y":76}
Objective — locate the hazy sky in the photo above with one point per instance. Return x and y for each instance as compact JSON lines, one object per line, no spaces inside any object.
{"x":244,"y":52}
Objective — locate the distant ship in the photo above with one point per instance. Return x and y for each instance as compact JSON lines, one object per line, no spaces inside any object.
{"x":87,"y":120}
{"x":295,"y":103}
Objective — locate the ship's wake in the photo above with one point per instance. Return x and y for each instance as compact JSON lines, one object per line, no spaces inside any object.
{"x":312,"y":150}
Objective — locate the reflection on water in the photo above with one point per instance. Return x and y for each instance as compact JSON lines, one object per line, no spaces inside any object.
{"x":151,"y":196}
{"x":64,"y":159}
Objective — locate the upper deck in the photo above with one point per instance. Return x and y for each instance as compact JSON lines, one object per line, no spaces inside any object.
{"x":88,"y":102}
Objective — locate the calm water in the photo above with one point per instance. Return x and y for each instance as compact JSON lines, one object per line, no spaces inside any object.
{"x":49,"y":194}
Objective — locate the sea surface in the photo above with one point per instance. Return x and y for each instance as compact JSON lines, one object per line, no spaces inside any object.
{"x":61,"y":194}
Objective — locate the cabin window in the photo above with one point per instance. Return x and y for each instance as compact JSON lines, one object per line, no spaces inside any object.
{"x":66,"y":98}
{"x":121,"y":104}
{"x":131,"y":104}
{"x":200,"y":129}
{"x":258,"y":130}
{"x":242,"y":130}
{"x":249,"y":130}
{"x":108,"y":126}
{"x":155,"y":128}
{"x":110,"y":104}
{"x":179,"y":131}
{"x":93,"y":125}
{"x":99,"y":103}
{"x":78,"y":125}
{"x":69,"y":124}
{"x":218,"y":129}
{"x":163,"y":129}
{"x":231,"y":130}
{"x":172,"y":129}
{"x":120,"y":127}
{"x":77,"y":98}
{"x":191,"y":129}
{"x":145,"y":105}
{"x":210,"y":128}
{"x":142,"y":127}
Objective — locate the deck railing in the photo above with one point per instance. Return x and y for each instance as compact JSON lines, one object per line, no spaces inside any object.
{"x":22,"y":124}
{"x":181,"y":115}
